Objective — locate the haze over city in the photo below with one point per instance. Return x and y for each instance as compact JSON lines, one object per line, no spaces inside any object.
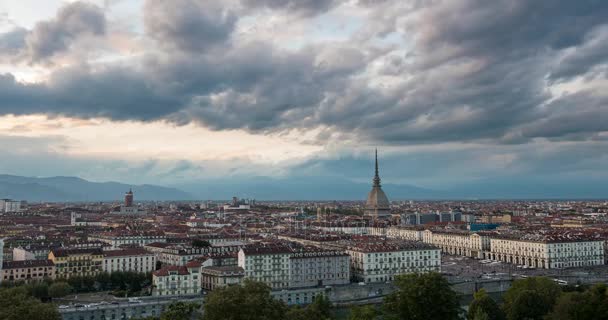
{"x":464,"y":99}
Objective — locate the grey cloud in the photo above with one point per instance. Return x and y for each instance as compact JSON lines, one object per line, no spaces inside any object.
{"x":73,"y":21}
{"x":189,"y":25}
{"x":12,"y":42}
{"x":579,"y":61}
{"x":297,"y":7}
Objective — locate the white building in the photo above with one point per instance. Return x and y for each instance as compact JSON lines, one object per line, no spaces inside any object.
{"x":134,"y":260}
{"x":547,"y":252}
{"x":177,"y":280}
{"x":268,"y":263}
{"x":10,"y":206}
{"x":380,"y":261}
{"x":310,"y":266}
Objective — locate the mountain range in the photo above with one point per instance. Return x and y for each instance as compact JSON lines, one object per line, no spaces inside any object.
{"x":60,"y":189}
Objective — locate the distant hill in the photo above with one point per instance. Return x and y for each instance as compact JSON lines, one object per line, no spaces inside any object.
{"x":76,"y":189}
{"x":299,"y":188}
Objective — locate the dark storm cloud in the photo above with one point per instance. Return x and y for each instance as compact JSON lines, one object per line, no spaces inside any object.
{"x":190,"y":25}
{"x":72,"y":21}
{"x":298,"y":7}
{"x":49,"y":38}
{"x":474,"y":70}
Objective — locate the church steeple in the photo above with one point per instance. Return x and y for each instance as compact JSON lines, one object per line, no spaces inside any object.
{"x":376,"y":176}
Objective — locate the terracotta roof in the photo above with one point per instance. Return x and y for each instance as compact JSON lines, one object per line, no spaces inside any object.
{"x":164,"y":272}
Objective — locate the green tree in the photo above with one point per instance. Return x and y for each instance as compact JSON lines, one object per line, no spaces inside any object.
{"x":59,"y":289}
{"x":422,"y":296}
{"x":179,"y":311}
{"x":251,"y":301}
{"x":40,"y":290}
{"x":319,"y":309}
{"x":17,"y":304}
{"x":528,"y":305}
{"x":588,"y":305}
{"x":367,"y":312}
{"x":482,"y":303}
{"x":544,"y":288}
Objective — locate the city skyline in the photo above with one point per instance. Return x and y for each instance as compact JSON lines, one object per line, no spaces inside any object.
{"x":456,"y":95}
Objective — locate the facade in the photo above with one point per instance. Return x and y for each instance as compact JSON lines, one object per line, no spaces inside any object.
{"x":119,"y":239}
{"x":547,"y":254}
{"x":134,"y":260}
{"x":310,"y":266}
{"x":377,"y":204}
{"x":27,"y":271}
{"x":458,"y":242}
{"x":180,"y":255}
{"x":177,"y":280}
{"x":139,"y":308}
{"x":221,"y":276}
{"x":404,"y":233}
{"x":268,"y":263}
{"x":76,"y":262}
{"x":382,"y":261}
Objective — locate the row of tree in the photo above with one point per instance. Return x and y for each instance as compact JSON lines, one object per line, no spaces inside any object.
{"x":423,"y":296}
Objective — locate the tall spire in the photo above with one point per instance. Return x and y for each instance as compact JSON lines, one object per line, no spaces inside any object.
{"x":376,"y":176}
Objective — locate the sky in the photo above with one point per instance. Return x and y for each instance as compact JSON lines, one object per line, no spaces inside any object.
{"x":453,"y":93}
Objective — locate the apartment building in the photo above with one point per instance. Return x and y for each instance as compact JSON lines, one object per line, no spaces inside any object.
{"x":268,"y":263}
{"x":27,"y":270}
{"x":547,"y":252}
{"x":376,"y":260}
{"x":132,"y":259}
{"x":312,"y":266}
{"x":177,"y":280}
{"x":76,"y":262}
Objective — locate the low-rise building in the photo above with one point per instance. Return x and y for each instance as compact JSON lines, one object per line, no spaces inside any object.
{"x":177,"y":280}
{"x":221,"y":276}
{"x":121,"y":238}
{"x":27,"y":270}
{"x":76,"y":262}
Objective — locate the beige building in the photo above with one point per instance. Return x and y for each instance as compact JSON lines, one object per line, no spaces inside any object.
{"x":221,"y":276}
{"x":27,"y":270}
{"x":77,"y":262}
{"x":458,"y":242}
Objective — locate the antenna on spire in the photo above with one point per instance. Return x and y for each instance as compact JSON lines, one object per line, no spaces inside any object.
{"x":376,"y":176}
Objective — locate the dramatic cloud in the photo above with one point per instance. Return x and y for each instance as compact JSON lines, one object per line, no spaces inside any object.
{"x":299,"y":7}
{"x":73,"y":22}
{"x":501,"y":74}
{"x":189,"y":25}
